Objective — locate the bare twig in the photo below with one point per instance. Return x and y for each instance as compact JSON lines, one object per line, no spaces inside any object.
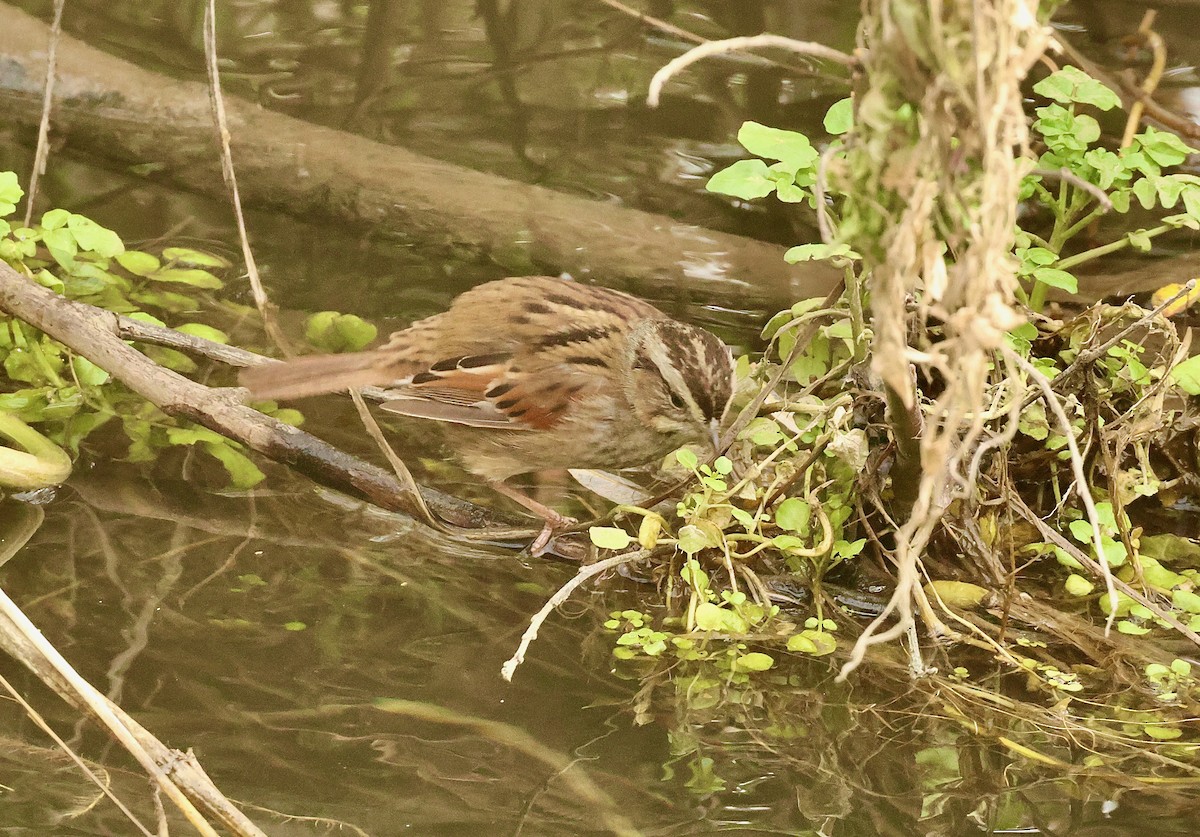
{"x":156,"y":335}
{"x":564,"y":592}
{"x":1089,"y":355}
{"x":14,"y":620}
{"x":142,"y":332}
{"x":1159,"y":50}
{"x":1048,"y":532}
{"x":41,"y":724}
{"x":401,"y":470}
{"x":711,"y":48}
{"x":1081,"y":483}
{"x":1078,"y":182}
{"x":657,"y":23}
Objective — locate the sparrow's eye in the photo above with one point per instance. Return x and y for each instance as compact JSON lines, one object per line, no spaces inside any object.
{"x":676,"y":400}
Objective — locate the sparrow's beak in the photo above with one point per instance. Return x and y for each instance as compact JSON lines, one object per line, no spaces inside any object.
{"x":714,"y":429}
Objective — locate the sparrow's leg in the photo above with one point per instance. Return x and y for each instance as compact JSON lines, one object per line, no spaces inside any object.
{"x":555,"y":522}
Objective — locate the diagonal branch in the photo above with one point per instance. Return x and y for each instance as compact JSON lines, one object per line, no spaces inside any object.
{"x":98,"y":335}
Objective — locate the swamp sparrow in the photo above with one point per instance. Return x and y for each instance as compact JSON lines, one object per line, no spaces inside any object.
{"x":535,"y":373}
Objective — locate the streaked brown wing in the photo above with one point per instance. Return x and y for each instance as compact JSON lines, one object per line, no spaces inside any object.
{"x":515,"y":353}
{"x":532,"y":391}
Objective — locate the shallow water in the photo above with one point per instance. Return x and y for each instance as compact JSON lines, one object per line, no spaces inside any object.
{"x":326,"y":660}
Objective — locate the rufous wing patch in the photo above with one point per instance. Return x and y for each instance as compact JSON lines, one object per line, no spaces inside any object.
{"x":486,"y":391}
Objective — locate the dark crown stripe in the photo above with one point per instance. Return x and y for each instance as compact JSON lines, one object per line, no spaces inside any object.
{"x":599,"y":299}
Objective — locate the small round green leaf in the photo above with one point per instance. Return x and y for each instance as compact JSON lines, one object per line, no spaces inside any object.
{"x":335,"y":332}
{"x":1077,"y":585}
{"x":1186,"y":375}
{"x":776,"y":144}
{"x":138,"y":263}
{"x":754,"y":661}
{"x":192,"y":276}
{"x":1056,"y":278}
{"x":813,"y":643}
{"x":204,"y":332}
{"x":10,"y":192}
{"x":692,"y":539}
{"x":840,"y":117}
{"x":87,"y":372}
{"x":1162,"y":733}
{"x":55,"y":218}
{"x":609,"y":537}
{"x":793,"y":515}
{"x":94,"y":238}
{"x":194,"y":258}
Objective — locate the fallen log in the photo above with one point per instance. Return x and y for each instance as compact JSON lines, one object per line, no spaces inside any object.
{"x":107,"y":105}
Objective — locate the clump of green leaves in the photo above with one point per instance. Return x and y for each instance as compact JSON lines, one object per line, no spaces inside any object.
{"x":1137,"y":171}
{"x":1172,"y":683}
{"x":692,"y":638}
{"x":334,"y":332}
{"x":67,"y":395}
{"x":756,"y":506}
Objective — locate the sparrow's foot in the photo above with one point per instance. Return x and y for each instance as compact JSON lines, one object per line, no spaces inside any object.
{"x":555,"y":525}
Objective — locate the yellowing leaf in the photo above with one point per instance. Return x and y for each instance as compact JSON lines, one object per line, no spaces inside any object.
{"x":1182,"y":304}
{"x":754,"y":661}
{"x":959,"y":594}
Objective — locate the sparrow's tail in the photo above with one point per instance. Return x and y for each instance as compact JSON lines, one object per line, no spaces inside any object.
{"x":319,"y":374}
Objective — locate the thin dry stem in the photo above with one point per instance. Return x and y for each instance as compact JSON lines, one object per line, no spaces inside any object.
{"x":102,"y":786}
{"x":42,"y":153}
{"x":1158,"y":66}
{"x":657,"y":23}
{"x":711,"y":48}
{"x":1077,"y":468}
{"x":261,"y":301}
{"x":102,"y":710}
{"x":401,"y":470}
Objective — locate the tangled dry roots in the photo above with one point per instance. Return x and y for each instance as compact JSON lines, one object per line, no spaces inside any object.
{"x":933,"y":181}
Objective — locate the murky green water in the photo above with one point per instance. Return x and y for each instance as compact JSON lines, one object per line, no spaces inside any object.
{"x":326,"y":660}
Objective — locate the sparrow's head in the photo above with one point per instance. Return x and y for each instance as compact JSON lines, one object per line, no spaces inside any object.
{"x":680,"y":380}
